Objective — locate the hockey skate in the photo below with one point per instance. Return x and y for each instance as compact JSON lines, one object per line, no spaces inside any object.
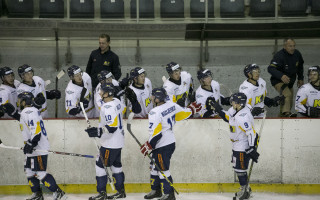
{"x":100,"y":196}
{"x":153,"y":194}
{"x":59,"y":195}
{"x":168,"y":197}
{"x":36,"y":196}
{"x":243,"y":194}
{"x":120,"y":194}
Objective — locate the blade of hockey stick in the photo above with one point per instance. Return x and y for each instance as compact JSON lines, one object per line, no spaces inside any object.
{"x":95,"y":141}
{"x":129,"y":121}
{"x":61,"y":73}
{"x":54,"y":152}
{"x":164,"y":79}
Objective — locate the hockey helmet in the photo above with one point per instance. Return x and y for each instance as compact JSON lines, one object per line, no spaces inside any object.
{"x":103,"y":75}
{"x":24,"y":69}
{"x":27,"y":97}
{"x":73,"y":70}
{"x":239,"y":98}
{"x":249,"y":68}
{"x":203,"y":74}
{"x":172,"y":66}
{"x":5,"y":71}
{"x":160,"y":94}
{"x":136,"y":72}
{"x":314,"y":69}
{"x":107,"y":88}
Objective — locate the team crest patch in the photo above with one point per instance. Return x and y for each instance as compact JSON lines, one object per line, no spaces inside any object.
{"x":151,"y":113}
{"x":243,"y":87}
{"x":29,"y":111}
{"x":184,"y":83}
{"x":106,"y":63}
{"x":39,"y":84}
{"x":243,"y":114}
{"x":297,"y":63}
{"x":199,"y":96}
{"x":69,"y":92}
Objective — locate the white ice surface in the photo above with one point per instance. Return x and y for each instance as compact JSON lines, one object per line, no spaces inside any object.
{"x":184,"y":196}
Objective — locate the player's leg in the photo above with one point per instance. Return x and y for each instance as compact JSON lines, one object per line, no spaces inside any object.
{"x":117,"y":174}
{"x":163,"y":158}
{"x":33,"y":182}
{"x":101,"y":175}
{"x":154,"y":181}
{"x":40,"y":167}
{"x":240,"y":162}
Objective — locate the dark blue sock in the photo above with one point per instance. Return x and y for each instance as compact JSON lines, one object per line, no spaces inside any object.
{"x":155,"y":182}
{"x":167,"y":189}
{"x":34,"y":184}
{"x":243,"y":178}
{"x":118,"y":180}
{"x":50,"y":183}
{"x":102,"y":183}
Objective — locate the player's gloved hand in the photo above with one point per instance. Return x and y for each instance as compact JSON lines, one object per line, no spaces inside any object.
{"x":278,"y":100}
{"x":8,"y":108}
{"x":212,"y":104}
{"x":195,"y":108}
{"x":209,"y":101}
{"x":313,"y":112}
{"x":225,"y":101}
{"x":53,"y":94}
{"x":182,"y":101}
{"x":124,"y":82}
{"x":85,"y":103}
{"x":28,"y":148}
{"x":146,"y":148}
{"x":39,"y":100}
{"x":257,"y":111}
{"x":252,"y":152}
{"x":2,"y":112}
{"x":118,"y":92}
{"x":94,"y":132}
{"x":131,"y":95}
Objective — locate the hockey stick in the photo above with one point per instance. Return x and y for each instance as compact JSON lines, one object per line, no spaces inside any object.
{"x":251,"y":165}
{"x":153,"y":162}
{"x":95,"y":141}
{"x":44,"y":151}
{"x":164,"y":79}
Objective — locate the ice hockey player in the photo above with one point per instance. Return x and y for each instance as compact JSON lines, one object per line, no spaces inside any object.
{"x":139,"y":93}
{"x":308,"y":95}
{"x":208,"y":88}
{"x":111,"y":134}
{"x":35,"y":138}
{"x":162,"y":141}
{"x":79,"y":89}
{"x":8,"y":94}
{"x":179,"y":85}
{"x":106,"y":77}
{"x":36,"y":86}
{"x":255,"y":88}
{"x":243,"y":137}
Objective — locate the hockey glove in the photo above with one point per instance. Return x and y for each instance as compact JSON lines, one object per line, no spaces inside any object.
{"x":2,"y":112}
{"x":124,"y":82}
{"x":313,"y":112}
{"x":8,"y":108}
{"x":131,"y":95}
{"x":85,"y":103}
{"x":195,"y":108}
{"x":213,"y":105}
{"x":253,"y":154}
{"x":278,"y":100}
{"x":225,"y":101}
{"x":53,"y":94}
{"x":146,"y":148}
{"x":118,"y":92}
{"x":28,"y":148}
{"x":39,"y":100}
{"x":209,"y":103}
{"x":94,"y":132}
{"x":257,"y":111}
{"x":182,"y":101}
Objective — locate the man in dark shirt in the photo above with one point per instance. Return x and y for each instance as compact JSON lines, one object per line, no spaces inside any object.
{"x":285,"y":66}
{"x":103,"y":59}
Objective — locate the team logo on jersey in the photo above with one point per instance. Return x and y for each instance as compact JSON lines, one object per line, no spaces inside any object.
{"x":184,"y":83}
{"x":199,"y":96}
{"x":216,"y":90}
{"x":106,"y":63}
{"x":39,"y":84}
{"x":243,"y":114}
{"x":1,"y":89}
{"x":297,"y":63}
{"x":69,"y":92}
{"x":29,"y":111}
{"x":316,"y":103}
{"x":107,"y":106}
{"x":243,"y":87}
{"x":151,"y":113}
{"x":148,"y":86}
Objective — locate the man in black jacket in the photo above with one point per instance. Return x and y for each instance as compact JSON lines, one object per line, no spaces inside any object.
{"x":103,"y":59}
{"x":285,"y":66}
